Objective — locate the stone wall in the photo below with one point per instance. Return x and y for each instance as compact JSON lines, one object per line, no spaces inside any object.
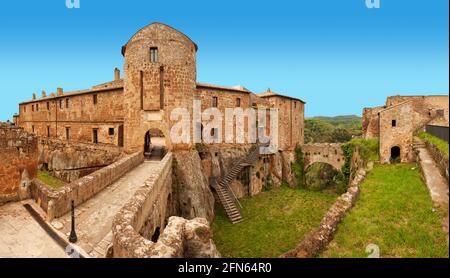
{"x":191,"y":187}
{"x":400,"y":119}
{"x":58,"y":202}
{"x":143,"y":229}
{"x":440,"y":159}
{"x":18,"y":162}
{"x":75,"y":115}
{"x":370,"y":122}
{"x":70,"y":161}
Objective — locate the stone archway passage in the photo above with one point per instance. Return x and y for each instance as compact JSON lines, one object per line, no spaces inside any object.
{"x":329,"y":153}
{"x":154,"y":145}
{"x":395,"y":153}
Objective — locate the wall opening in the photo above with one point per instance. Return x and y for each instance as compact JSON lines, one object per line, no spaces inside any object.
{"x":156,"y":234}
{"x":395,"y":154}
{"x":154,"y":145}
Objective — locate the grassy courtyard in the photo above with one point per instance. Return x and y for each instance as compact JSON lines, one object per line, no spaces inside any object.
{"x":395,"y":212}
{"x":49,"y":180}
{"x":274,"y":222}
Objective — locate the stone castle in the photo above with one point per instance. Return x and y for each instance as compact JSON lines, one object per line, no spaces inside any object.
{"x":138,"y":193}
{"x":396,"y":123}
{"x":159,"y":76}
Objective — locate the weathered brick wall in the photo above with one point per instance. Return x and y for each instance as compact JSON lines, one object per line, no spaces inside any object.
{"x":75,"y":114}
{"x":290,"y":123}
{"x":225,"y":99}
{"x":18,"y":153}
{"x":400,"y":135}
{"x":370,"y":122}
{"x":58,"y":202}
{"x":70,"y":161}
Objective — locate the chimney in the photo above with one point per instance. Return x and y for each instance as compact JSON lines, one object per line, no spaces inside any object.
{"x":116,"y":74}
{"x":34,"y":96}
{"x":59,"y":91}
{"x":43,"y":94}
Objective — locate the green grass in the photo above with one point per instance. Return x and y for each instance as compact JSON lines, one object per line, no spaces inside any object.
{"x":368,"y":148}
{"x":439,"y":143}
{"x":395,"y":212}
{"x":49,"y":180}
{"x":275,"y":222}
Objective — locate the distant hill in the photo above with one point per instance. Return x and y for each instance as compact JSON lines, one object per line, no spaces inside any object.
{"x":332,"y":129}
{"x":346,"y":120}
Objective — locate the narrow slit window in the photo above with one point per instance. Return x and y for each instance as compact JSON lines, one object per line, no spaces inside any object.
{"x":94,"y":99}
{"x":394,"y":123}
{"x":67,"y":133}
{"x":48,"y":105}
{"x":214,"y":102}
{"x":154,"y":55}
{"x":238,"y":102}
{"x":95,"y":136}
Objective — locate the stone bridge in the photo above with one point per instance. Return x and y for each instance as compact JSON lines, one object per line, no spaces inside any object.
{"x":329,"y":153}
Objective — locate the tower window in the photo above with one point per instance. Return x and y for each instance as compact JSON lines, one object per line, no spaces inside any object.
{"x":32,"y":107}
{"x":214,"y":102}
{"x":37,"y":106}
{"x":238,"y":102}
{"x":94,"y":99}
{"x":95,"y":136}
{"x":67,"y":103}
{"x":48,"y":131}
{"x":24,"y":108}
{"x":154,"y":54}
{"x":32,"y":128}
{"x":394,"y":123}
{"x":48,"y":105}
{"x":67,"y":133}
{"x":60,"y":104}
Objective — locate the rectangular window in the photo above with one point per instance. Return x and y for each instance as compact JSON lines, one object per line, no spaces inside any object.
{"x":153,"y":54}
{"x":394,"y":123}
{"x":60,"y":104}
{"x":67,"y":103}
{"x":295,"y":105}
{"x":32,"y":107}
{"x":95,"y":136}
{"x":111,"y":131}
{"x":37,"y":106}
{"x":32,"y":128}
{"x":48,"y":131}
{"x":238,"y":102}
{"x":214,"y":102}
{"x":48,"y":105}
{"x":94,"y":99}
{"x":67,"y":133}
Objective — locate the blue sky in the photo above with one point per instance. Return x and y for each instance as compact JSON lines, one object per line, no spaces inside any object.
{"x":337,"y":55}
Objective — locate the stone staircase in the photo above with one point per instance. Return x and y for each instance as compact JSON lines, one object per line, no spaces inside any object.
{"x":417,"y":143}
{"x":225,"y":193}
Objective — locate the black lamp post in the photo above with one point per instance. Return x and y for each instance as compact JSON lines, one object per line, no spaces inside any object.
{"x":73,"y":235}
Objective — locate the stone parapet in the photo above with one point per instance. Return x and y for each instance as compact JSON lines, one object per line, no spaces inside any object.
{"x":57,"y":202}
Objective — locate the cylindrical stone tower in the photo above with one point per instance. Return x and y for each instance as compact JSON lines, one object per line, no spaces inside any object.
{"x":159,"y":76}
